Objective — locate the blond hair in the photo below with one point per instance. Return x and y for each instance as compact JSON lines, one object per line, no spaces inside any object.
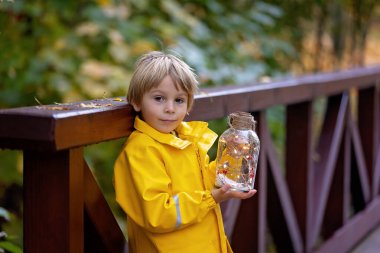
{"x":153,"y":67}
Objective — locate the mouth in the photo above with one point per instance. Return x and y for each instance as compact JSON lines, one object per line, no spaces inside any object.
{"x":169,"y":120}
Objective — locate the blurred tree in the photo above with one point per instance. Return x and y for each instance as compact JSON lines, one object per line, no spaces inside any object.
{"x":328,"y":35}
{"x":69,"y":51}
{"x":86,"y":49}
{"x":64,"y":51}
{"x":362,"y":15}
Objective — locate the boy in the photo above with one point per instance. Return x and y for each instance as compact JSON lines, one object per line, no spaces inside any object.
{"x":163,"y":178}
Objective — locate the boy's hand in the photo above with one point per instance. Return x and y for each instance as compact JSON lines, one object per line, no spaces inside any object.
{"x":224,"y":193}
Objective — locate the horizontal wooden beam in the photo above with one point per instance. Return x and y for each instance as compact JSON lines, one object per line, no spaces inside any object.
{"x":257,"y":96}
{"x":59,"y":127}
{"x":63,"y":126}
{"x":354,"y":230}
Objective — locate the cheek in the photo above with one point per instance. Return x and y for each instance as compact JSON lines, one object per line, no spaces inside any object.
{"x":184,"y":110}
{"x":151,"y":111}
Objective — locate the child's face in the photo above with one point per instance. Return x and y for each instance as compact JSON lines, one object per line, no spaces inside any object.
{"x":163,"y":107}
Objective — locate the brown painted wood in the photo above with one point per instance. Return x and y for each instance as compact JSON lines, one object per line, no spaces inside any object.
{"x":298,"y":161}
{"x":53,"y":201}
{"x":93,"y":242}
{"x":224,"y":100}
{"x":327,"y":189}
{"x":328,"y":149}
{"x":376,"y":177}
{"x":261,"y":185}
{"x":46,"y":128}
{"x":101,"y":225}
{"x":79,"y":131}
{"x":335,"y":207}
{"x":245,"y":234}
{"x":59,"y":127}
{"x":281,"y":214}
{"x":363,"y":172}
{"x":377,"y":173}
{"x":354,"y":230}
{"x":347,"y":174}
{"x":366,"y":123}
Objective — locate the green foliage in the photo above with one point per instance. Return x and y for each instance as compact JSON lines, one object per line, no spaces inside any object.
{"x":10,"y":193}
{"x":100,"y":158}
{"x":11,"y":174}
{"x":8,"y":244}
{"x":276,"y":121}
{"x":63,"y":51}
{"x":229,"y":42}
{"x":84,"y":50}
{"x":218,"y":126}
{"x":56,"y":51}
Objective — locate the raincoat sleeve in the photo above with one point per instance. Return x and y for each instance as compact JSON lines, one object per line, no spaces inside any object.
{"x":211,"y":170}
{"x":142,"y":188}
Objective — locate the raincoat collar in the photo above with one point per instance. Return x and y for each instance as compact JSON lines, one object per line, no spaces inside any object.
{"x":188,"y":132}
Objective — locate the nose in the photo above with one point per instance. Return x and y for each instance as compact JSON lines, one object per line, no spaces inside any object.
{"x":169,"y":107}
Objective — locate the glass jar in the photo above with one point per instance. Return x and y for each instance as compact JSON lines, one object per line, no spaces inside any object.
{"x":238,"y":153}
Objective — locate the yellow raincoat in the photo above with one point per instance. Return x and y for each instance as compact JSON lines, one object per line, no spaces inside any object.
{"x":164,"y":184}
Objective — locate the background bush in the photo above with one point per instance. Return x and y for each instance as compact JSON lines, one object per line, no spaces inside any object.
{"x":64,"y":51}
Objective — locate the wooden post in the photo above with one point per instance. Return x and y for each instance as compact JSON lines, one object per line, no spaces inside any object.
{"x":53,"y":201}
{"x":298,"y":160}
{"x":368,"y":127}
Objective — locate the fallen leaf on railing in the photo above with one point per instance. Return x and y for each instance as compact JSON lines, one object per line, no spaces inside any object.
{"x":118,"y":99}
{"x":59,"y":107}
{"x":64,"y":107}
{"x":92,"y":105}
{"x":54,"y":108}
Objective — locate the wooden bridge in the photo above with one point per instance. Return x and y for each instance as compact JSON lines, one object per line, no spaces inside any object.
{"x":320,"y":193}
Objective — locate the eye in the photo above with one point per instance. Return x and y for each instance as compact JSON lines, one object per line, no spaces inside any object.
{"x":159,"y":98}
{"x":180,"y":100}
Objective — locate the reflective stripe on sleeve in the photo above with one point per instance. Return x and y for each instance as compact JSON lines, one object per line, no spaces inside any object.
{"x":179,"y":220}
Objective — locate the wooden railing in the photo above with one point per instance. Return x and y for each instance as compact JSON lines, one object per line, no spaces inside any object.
{"x":320,"y":193}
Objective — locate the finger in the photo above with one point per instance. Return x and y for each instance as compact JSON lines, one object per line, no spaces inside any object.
{"x":251,"y":193}
{"x":243,"y":195}
{"x":225,"y":188}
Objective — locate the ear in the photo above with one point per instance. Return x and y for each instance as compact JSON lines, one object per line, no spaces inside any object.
{"x":136,"y":107}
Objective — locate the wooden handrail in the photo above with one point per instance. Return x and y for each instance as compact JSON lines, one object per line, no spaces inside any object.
{"x":305,"y":198}
{"x":58,"y":127}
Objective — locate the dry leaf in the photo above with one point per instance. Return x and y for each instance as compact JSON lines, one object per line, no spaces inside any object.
{"x":89,"y":105}
{"x":92,"y":105}
{"x":54,"y":108}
